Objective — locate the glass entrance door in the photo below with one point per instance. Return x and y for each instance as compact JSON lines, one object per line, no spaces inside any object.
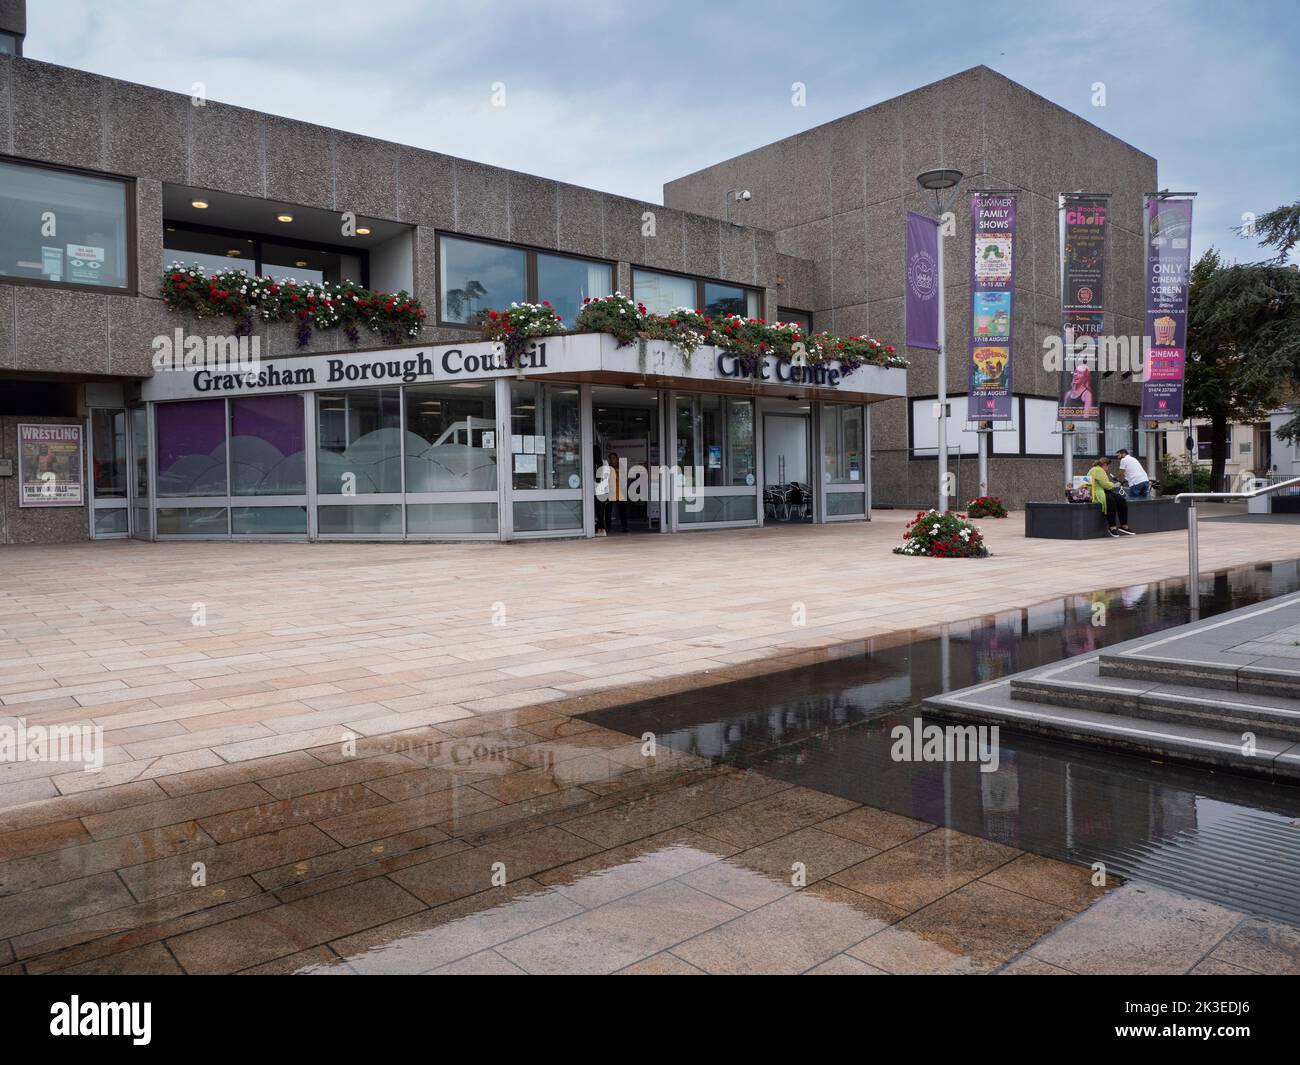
{"x":787,"y":487}
{"x":138,"y":478}
{"x":109,"y":470}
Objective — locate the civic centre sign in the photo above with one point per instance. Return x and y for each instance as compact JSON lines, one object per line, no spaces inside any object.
{"x":202,"y":378}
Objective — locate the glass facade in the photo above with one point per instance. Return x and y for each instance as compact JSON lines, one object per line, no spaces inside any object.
{"x":425,"y":460}
{"x":91,"y":212}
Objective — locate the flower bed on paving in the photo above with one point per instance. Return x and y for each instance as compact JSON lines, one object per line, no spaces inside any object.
{"x":936,"y":535}
{"x":986,"y":507}
{"x":237,"y":294}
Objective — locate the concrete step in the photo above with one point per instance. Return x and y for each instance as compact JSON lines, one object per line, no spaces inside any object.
{"x":1081,"y":684}
{"x":1272,"y":757}
{"x":1223,"y":675}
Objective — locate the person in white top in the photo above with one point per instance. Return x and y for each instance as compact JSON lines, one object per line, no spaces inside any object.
{"x":1139,"y":484}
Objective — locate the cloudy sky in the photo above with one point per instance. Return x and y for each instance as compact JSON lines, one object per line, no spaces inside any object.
{"x":622,"y":97}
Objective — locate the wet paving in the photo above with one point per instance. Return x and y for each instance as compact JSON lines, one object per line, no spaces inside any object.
{"x":761,"y":827}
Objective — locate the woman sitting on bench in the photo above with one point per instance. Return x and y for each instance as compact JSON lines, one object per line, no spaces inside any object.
{"x":1106,"y":493}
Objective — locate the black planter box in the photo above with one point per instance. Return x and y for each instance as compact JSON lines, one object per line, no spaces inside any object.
{"x":1085,"y":521}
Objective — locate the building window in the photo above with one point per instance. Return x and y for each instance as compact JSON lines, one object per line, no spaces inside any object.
{"x":1204,"y":442}
{"x":546,"y":436}
{"x":803,"y":319}
{"x":214,"y":250}
{"x":63,"y":228}
{"x":11,"y":44}
{"x":108,"y":446}
{"x":721,"y":300}
{"x":566,"y":282}
{"x":1119,"y":428}
{"x":359,"y":448}
{"x":478,"y":277}
{"x":191,"y":452}
{"x":455,"y":426}
{"x":267,"y":446}
{"x":663,"y":293}
{"x":842,"y":428}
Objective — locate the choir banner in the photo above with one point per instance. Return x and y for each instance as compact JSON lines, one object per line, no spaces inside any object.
{"x":1169,"y":260}
{"x":921,"y":307}
{"x":1083,"y":270}
{"x":993,"y":271}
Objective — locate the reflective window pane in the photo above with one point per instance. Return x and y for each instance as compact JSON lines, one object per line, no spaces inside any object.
{"x":448,"y":519}
{"x":285,"y":262}
{"x":478,"y":277}
{"x":360,"y":520}
{"x":213,"y":252}
{"x":839,"y":504}
{"x":726,"y":299}
{"x":1119,"y":428}
{"x":91,"y":246}
{"x":662,"y":293}
{"x":548,"y":515}
{"x":192,"y":521}
{"x":567,"y":282}
{"x":451,"y":443}
{"x":112,"y":522}
{"x":267,"y":456}
{"x":705,"y":508}
{"x":546,"y":436}
{"x":108,"y":445}
{"x":842,"y":427}
{"x":359,"y":451}
{"x":192,"y":448}
{"x":268,"y":521}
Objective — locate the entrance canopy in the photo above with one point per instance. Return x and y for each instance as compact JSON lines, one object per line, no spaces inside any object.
{"x":221,"y":370}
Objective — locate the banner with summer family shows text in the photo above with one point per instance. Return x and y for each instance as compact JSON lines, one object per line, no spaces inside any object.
{"x":992,"y":285}
{"x":1169,"y":262}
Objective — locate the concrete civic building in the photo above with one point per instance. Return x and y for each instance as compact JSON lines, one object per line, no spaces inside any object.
{"x":104,"y":183}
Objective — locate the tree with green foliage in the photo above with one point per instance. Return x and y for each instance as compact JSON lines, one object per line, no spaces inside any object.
{"x":1243,"y":346}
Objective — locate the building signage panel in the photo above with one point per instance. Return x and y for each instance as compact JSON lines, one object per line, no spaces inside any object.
{"x":50,"y":466}
{"x":204,"y":378}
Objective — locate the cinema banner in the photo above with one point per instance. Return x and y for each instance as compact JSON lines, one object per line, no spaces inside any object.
{"x":1083,"y":277}
{"x":1169,"y":262}
{"x":992,"y":281}
{"x":50,"y":466}
{"x":921,"y":305}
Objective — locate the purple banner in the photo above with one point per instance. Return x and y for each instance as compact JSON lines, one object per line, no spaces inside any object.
{"x":921,"y":315}
{"x":1083,"y":275}
{"x":992,"y":287}
{"x":1169,"y":260}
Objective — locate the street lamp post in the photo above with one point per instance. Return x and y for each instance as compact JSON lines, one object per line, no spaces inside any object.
{"x":941,"y":182}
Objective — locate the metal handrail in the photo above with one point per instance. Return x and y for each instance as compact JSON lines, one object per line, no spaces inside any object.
{"x":1193,"y":533}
